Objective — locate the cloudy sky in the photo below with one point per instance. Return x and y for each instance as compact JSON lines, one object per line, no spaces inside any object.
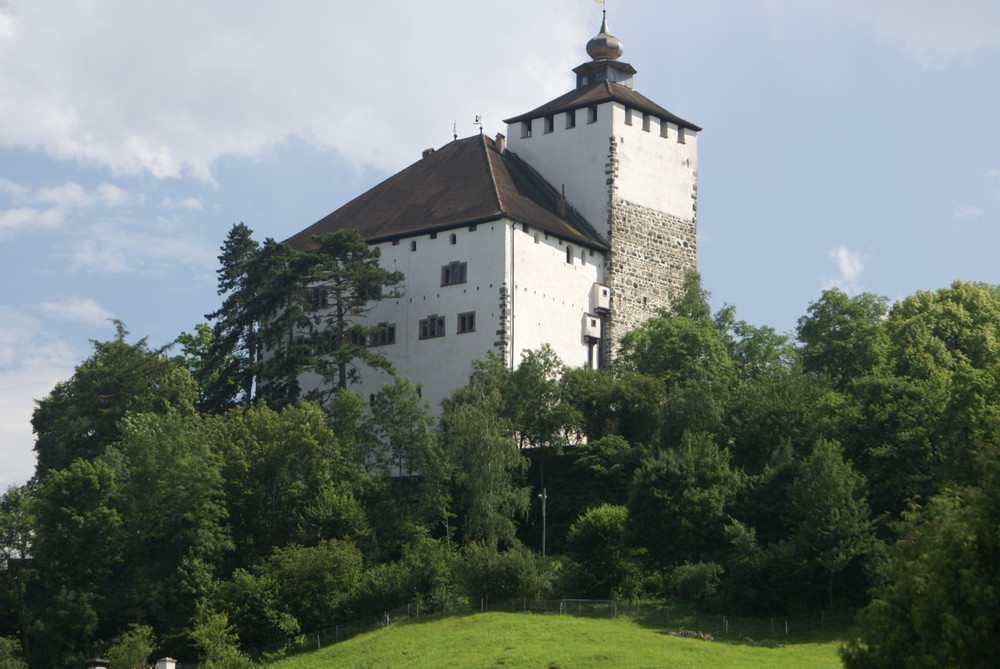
{"x":852,"y":143}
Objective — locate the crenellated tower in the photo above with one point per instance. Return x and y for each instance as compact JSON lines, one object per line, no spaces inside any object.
{"x":630,"y":168}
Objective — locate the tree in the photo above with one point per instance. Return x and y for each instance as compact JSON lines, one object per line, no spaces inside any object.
{"x":596,"y":544}
{"x":80,"y":417}
{"x":939,"y":601}
{"x":284,"y":475}
{"x":170,"y":499}
{"x":286,"y":312}
{"x":131,"y":649}
{"x":485,"y":463}
{"x":77,"y":546}
{"x":10,"y":651}
{"x":408,"y":496}
{"x":678,"y":505}
{"x":16,"y":533}
{"x":218,"y":643}
{"x":830,"y":522}
{"x":843,"y":337}
{"x":349,"y":279}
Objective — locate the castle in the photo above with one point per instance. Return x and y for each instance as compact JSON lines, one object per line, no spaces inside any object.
{"x":569,"y":231}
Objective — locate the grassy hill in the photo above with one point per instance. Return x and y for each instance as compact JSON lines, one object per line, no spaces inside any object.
{"x":553,"y":641}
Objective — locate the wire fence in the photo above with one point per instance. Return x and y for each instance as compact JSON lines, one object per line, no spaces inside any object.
{"x":735,"y":628}
{"x":676,"y":620}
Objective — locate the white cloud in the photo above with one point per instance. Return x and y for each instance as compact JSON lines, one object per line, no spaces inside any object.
{"x":110,"y":83}
{"x":967,"y":211}
{"x":929,"y":32}
{"x":850,"y":266}
{"x":191,"y":203}
{"x":29,"y":217}
{"x":84,"y":310}
{"x":114,"y":247}
{"x":57,"y":203}
{"x":32,"y":361}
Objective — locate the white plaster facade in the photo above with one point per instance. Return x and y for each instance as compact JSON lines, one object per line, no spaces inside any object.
{"x":548,"y":300}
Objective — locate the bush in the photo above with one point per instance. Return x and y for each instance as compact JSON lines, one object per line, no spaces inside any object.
{"x":696,"y":583}
{"x":513,"y":574}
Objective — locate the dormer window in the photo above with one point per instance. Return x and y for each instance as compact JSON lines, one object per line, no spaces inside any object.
{"x":571,"y":119}
{"x":592,"y":114}
{"x":549,"y":123}
{"x":526,"y":129}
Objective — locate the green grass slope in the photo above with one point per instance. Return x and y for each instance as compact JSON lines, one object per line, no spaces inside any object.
{"x":541,"y":641}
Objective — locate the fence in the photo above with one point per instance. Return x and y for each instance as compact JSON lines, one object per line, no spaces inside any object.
{"x":661,"y":614}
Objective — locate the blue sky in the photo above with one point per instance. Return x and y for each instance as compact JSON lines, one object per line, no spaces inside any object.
{"x":851,"y":143}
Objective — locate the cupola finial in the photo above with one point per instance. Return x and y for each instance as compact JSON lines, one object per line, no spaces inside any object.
{"x":605,"y":46}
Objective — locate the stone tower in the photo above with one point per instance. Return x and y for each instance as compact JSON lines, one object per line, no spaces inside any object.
{"x":630,"y":167}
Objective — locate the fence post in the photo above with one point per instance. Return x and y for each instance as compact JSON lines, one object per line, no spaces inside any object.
{"x":725,"y":624}
{"x":338,"y":634}
{"x":317,"y":642}
{"x":772,"y":625}
{"x":786,"y":627}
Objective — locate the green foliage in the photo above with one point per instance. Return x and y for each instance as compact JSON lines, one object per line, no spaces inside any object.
{"x":10,"y":654}
{"x":131,"y":649}
{"x":81,"y":417}
{"x":287,"y":312}
{"x":696,"y":583}
{"x":684,"y":494}
{"x":831,"y":525}
{"x":605,"y":568}
{"x":939,"y":604}
{"x":16,"y":535}
{"x":515,"y":573}
{"x":313,"y":582}
{"x":843,"y":337}
{"x":401,"y":443}
{"x":486,"y":465}
{"x":218,"y":643}
{"x":615,"y":402}
{"x":170,"y":498}
{"x":286,"y":478}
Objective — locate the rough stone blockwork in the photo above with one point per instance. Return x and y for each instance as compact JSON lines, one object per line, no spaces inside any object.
{"x":651,"y":252}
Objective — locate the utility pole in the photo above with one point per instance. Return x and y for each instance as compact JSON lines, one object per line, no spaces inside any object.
{"x":543,"y":496}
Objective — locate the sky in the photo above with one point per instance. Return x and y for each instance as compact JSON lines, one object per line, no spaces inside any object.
{"x":851,"y":144}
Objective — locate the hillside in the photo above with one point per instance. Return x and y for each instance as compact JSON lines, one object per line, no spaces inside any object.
{"x":520,"y":640}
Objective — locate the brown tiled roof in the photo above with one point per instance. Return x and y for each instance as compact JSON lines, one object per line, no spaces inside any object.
{"x":602,"y":91}
{"x":464,"y":182}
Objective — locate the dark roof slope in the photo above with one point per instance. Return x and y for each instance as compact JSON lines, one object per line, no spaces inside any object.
{"x":464,"y":182}
{"x":602,"y":91}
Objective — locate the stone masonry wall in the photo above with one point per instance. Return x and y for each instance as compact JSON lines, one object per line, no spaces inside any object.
{"x":650,"y":253}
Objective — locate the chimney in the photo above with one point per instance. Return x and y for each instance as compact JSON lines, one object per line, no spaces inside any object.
{"x":501,"y":142}
{"x":427,"y":152}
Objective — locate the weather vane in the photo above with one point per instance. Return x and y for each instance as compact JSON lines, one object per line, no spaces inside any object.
{"x":479,"y":122}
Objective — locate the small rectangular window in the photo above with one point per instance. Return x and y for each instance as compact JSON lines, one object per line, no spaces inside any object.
{"x":549,"y":124}
{"x":467,"y":322}
{"x":646,"y":121}
{"x":526,"y":129}
{"x":628,"y":116}
{"x":370,"y":292}
{"x":571,"y":119}
{"x":592,"y":114}
{"x":318,"y":297}
{"x":383,"y":335}
{"x":453,"y":273}
{"x":432,"y":326}
{"x":664,"y":128}
{"x":680,"y":135}
{"x":395,"y":242}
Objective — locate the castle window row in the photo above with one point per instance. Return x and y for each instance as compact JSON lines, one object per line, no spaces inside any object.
{"x":434,"y":325}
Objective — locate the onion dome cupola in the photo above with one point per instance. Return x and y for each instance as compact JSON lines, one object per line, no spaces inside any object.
{"x":604,"y":49}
